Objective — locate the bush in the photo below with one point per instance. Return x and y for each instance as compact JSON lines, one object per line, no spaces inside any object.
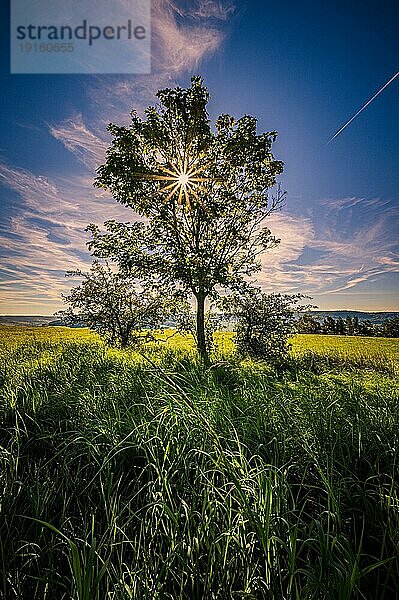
{"x":264,"y":322}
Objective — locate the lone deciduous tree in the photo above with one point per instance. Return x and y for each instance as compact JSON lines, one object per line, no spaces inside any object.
{"x":202,"y":195}
{"x":112,"y":304}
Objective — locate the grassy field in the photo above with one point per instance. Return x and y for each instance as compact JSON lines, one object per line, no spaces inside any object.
{"x":337,"y":345}
{"x":149,"y":477}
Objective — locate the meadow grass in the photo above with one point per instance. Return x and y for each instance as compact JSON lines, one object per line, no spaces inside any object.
{"x":145,"y":476}
{"x":350,"y":347}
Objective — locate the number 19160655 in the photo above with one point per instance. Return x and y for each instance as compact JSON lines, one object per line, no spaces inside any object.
{"x":46,"y":47}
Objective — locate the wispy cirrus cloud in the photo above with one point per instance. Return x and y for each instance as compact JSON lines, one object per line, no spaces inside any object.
{"x":360,"y":235}
{"x":44,"y":237}
{"x":88,"y":147}
{"x":209,"y":9}
{"x":186,"y":34}
{"x":351,"y":241}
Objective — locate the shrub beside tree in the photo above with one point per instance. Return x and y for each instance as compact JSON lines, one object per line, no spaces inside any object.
{"x":115,"y":305}
{"x":263,"y":322}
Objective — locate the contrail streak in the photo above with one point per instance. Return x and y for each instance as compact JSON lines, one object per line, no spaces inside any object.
{"x":363,"y":107}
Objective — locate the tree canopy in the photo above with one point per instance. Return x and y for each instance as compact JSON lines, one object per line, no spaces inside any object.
{"x":200,"y":195}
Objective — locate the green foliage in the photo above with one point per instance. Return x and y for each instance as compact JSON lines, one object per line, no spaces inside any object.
{"x":329,"y":325}
{"x":126,"y":479}
{"x":339,"y":327}
{"x":112,"y":304}
{"x":263,"y":322}
{"x":307,"y":324}
{"x":390,"y":328}
{"x":351,"y":326}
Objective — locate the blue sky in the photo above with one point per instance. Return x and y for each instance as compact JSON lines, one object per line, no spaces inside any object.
{"x":302,"y":69}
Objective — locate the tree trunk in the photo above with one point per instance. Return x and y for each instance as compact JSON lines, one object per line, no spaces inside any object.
{"x":124,"y":341}
{"x":201,"y":340}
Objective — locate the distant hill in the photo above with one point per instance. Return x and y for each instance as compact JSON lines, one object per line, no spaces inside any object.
{"x":28,"y":321}
{"x":374,"y":317}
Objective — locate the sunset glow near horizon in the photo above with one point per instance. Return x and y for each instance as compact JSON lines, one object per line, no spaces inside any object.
{"x":303,"y":71}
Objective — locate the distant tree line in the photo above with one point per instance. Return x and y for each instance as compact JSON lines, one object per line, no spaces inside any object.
{"x":349,"y":326}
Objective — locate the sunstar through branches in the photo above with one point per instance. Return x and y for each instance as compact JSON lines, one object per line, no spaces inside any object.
{"x":182,"y":179}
